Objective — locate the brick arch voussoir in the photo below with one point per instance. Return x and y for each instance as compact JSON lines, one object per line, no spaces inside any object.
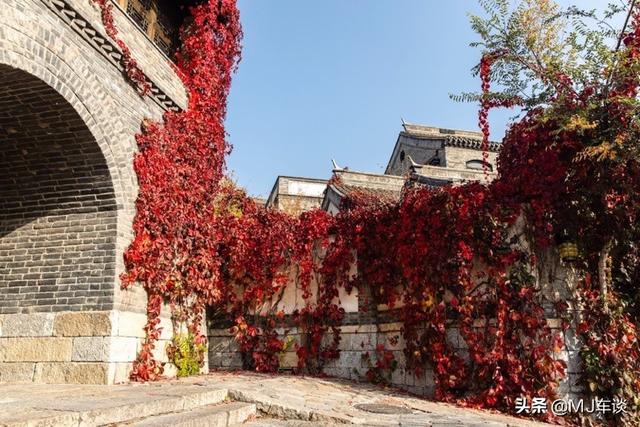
{"x":80,"y":100}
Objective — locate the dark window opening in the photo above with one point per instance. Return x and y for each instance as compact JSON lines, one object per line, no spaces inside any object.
{"x":402,"y":156}
{"x":435,"y":160}
{"x":479,"y":165}
{"x":160,"y":20}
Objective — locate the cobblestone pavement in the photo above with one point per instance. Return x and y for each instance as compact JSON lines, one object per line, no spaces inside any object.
{"x":280,"y":401}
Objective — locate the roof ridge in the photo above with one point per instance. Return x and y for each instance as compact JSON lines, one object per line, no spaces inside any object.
{"x":469,"y":142}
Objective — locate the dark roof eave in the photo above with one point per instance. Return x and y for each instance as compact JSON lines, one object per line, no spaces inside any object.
{"x":454,"y":140}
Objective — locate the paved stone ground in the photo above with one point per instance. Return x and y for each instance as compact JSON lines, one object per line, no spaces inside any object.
{"x":333,"y":400}
{"x":280,"y":401}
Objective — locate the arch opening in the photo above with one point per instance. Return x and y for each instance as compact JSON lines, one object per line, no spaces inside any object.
{"x":58,"y":211}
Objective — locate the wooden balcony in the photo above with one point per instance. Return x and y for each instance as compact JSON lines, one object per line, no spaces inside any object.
{"x":159,"y":20}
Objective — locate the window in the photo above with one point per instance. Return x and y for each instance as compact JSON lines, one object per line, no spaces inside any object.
{"x":435,"y":161}
{"x":159,"y":19}
{"x":478,"y":165}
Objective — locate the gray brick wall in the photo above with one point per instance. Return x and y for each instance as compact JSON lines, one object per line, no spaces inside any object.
{"x":57,"y":204}
{"x":62,"y":44}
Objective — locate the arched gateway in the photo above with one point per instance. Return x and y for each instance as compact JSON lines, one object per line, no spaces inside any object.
{"x":68,"y":117}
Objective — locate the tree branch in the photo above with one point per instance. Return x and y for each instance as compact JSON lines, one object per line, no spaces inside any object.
{"x":603,"y":273}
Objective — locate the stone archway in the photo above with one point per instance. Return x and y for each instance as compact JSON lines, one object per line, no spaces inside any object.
{"x":58,"y":216}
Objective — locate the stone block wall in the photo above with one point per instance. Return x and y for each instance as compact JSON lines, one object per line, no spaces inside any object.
{"x":358,"y":344}
{"x":94,"y":347}
{"x":457,"y":157}
{"x":366,"y":326}
{"x":571,"y":387}
{"x":358,"y":354}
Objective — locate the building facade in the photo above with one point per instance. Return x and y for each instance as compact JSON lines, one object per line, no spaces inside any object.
{"x":68,"y":119}
{"x":427,"y":156}
{"x":422,"y":155}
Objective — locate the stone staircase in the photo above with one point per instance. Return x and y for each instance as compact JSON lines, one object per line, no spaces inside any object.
{"x":178,"y":406}
{"x":217,"y":415}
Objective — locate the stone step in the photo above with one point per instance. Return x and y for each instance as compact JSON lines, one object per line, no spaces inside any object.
{"x":276,"y":422}
{"x":98,"y":407}
{"x":220,"y":415}
{"x":154,"y":403}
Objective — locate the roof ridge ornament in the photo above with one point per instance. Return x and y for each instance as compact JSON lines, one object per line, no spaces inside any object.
{"x":404,"y":124}
{"x":413,"y":163}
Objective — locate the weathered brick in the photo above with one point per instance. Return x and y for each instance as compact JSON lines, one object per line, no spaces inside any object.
{"x":68,"y":185}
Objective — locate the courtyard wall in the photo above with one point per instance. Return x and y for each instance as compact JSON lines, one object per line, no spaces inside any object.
{"x":365,"y":327}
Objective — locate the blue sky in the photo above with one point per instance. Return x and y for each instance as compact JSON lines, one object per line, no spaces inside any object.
{"x":323,"y":79}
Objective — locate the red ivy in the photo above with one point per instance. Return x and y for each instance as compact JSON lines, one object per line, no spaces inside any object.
{"x":180,"y":167}
{"x":131,"y":67}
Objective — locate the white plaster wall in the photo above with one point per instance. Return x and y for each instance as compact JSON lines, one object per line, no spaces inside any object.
{"x":305,"y":188}
{"x":457,"y":158}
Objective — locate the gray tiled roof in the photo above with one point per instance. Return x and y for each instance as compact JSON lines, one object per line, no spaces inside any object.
{"x":380,"y":193}
{"x":467,"y":142}
{"x":451,"y":137}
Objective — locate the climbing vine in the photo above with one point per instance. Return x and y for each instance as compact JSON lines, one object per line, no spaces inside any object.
{"x":180,"y":165}
{"x":380,"y":366}
{"x":131,"y":67}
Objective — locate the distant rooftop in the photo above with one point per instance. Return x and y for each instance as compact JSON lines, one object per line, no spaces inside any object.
{"x":295,"y":194}
{"x":436,"y":166}
{"x":416,"y":129}
{"x":346,"y":182}
{"x":260,"y":201}
{"x":385,"y":186}
{"x":451,"y":137}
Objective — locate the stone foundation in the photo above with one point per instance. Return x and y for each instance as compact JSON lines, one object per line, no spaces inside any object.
{"x":74,"y":347}
{"x":356,"y":342}
{"x":359,"y":340}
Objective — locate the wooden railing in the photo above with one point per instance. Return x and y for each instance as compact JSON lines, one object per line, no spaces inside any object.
{"x":154,"y":22}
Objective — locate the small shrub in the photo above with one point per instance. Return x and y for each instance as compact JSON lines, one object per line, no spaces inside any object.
{"x":186,"y":354}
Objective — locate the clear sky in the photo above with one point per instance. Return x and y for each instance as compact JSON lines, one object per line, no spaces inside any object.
{"x":323,"y":79}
